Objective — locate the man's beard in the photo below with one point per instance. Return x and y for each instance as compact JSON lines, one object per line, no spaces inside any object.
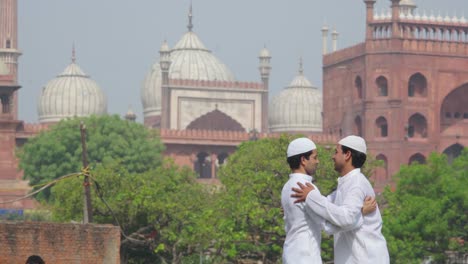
{"x":338,"y":167}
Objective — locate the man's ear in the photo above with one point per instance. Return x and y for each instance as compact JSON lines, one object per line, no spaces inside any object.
{"x":303,"y":160}
{"x":347,"y":155}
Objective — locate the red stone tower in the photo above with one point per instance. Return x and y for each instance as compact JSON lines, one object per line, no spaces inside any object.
{"x":11,"y":185}
{"x":9,"y":55}
{"x":405,"y":89}
{"x":8,"y":87}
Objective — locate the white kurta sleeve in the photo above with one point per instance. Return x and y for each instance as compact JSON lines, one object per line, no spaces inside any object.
{"x":311,"y":214}
{"x":346,"y":216}
{"x":331,"y":196}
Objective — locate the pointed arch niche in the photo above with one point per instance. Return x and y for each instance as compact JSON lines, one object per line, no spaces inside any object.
{"x":358,"y":87}
{"x":417,"y":86}
{"x":417,"y":126}
{"x":358,"y":126}
{"x":381,"y":173}
{"x":453,"y":152}
{"x":382,"y":86}
{"x":202,"y":165}
{"x":418,"y":158}
{"x":382,"y":127}
{"x":215,"y":120}
{"x":454,"y":109}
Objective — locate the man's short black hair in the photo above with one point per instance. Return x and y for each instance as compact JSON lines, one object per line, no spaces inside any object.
{"x":358,"y":158}
{"x":35,"y":260}
{"x":295,"y":161}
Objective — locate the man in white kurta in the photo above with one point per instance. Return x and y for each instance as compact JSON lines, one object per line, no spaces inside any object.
{"x":362,"y":241}
{"x":303,"y":227}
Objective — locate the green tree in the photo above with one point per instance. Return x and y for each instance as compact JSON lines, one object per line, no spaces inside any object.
{"x":158,"y":210}
{"x":427,"y":213}
{"x":57,"y":151}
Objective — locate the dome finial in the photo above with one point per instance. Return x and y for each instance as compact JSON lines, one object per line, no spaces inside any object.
{"x":130,"y":115}
{"x":301,"y":68}
{"x":190,"y":25}
{"x":73,"y":58}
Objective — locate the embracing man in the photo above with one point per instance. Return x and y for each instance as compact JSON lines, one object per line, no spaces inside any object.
{"x":362,"y":240}
{"x":303,"y":226}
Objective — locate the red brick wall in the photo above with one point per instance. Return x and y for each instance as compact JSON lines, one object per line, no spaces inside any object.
{"x":59,"y":243}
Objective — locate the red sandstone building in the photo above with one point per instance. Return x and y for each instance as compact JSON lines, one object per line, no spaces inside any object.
{"x":405,"y":89}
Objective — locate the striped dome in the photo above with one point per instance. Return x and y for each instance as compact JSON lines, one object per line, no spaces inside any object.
{"x":70,"y":94}
{"x":298,"y":108}
{"x":191,"y":60}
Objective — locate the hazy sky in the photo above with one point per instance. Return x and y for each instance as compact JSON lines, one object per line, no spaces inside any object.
{"x":118,"y":40}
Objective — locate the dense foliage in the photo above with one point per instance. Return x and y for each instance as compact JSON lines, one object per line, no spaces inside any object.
{"x":427,"y":214}
{"x":158,"y":210}
{"x":57,"y":151}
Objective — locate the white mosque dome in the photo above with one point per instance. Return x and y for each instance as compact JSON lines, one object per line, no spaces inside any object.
{"x":71,"y":94}
{"x":151,"y":92}
{"x":298,"y":108}
{"x":190,"y":60}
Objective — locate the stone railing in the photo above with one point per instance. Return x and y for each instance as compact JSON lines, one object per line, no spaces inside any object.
{"x":206,"y":135}
{"x":216,"y":84}
{"x":168,"y":135}
{"x":431,"y":28}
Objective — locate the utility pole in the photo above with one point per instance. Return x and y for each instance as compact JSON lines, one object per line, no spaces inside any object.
{"x":87,"y":208}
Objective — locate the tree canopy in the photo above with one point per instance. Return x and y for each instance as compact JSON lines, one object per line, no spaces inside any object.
{"x":427,"y":214}
{"x":57,"y":151}
{"x":158,"y":210}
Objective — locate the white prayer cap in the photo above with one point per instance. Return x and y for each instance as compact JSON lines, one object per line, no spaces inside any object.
{"x":354,"y":142}
{"x":299,"y":146}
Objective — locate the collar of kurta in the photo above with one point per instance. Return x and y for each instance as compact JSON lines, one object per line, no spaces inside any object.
{"x":301,"y":176}
{"x":348,"y":175}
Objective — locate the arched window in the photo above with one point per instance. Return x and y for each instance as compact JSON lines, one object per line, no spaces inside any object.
{"x":381,"y":173}
{"x":453,"y":152}
{"x":417,"y":126}
{"x":5,"y":102}
{"x":202,"y":165}
{"x":215,"y":120}
{"x":454,"y":107}
{"x":8,"y":44}
{"x":382,"y":127}
{"x":222,"y":158}
{"x":417,"y":86}
{"x":382,"y":86}
{"x":358,"y":126}
{"x":418,"y":158}
{"x":358,"y":86}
